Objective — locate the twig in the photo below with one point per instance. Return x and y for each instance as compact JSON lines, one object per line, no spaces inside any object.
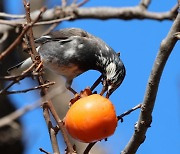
{"x":42,"y":150}
{"x":34,"y":54}
{"x":18,"y":39}
{"x":96,"y":83}
{"x":15,"y":43}
{"x":48,"y":105}
{"x":62,"y":128}
{"x":145,"y":3}
{"x":6,"y":15}
{"x":49,"y":124}
{"x":82,"y":3}
{"x":50,"y":28}
{"x":29,"y":89}
{"x":120,"y":117}
{"x":53,"y":21}
{"x":18,"y":113}
{"x":22,"y":76}
{"x":63,"y":3}
{"x":14,"y":77}
{"x":89,"y":147}
{"x":145,"y":118}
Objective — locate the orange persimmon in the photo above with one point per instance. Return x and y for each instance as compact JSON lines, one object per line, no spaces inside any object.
{"x":91,"y":118}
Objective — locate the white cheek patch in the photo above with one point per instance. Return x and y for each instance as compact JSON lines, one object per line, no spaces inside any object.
{"x":111,"y":70}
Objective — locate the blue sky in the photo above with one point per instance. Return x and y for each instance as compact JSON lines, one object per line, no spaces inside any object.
{"x":138,"y":41}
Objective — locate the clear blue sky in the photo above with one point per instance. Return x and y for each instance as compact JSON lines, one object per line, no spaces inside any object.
{"x":138,"y":41}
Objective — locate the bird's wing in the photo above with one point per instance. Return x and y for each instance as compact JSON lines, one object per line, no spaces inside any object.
{"x":19,"y":68}
{"x":62,"y":35}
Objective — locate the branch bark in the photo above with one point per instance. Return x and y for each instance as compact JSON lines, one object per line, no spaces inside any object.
{"x":145,"y":118}
{"x":125,"y":13}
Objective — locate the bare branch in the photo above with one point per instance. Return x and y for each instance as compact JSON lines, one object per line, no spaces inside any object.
{"x":82,"y":3}
{"x":122,"y":13}
{"x":126,"y":13}
{"x":46,"y":85}
{"x":18,"y":39}
{"x":89,"y":147}
{"x":6,"y":15}
{"x":18,"y":113}
{"x":22,"y":76}
{"x":48,"y":105}
{"x":53,"y":21}
{"x":42,"y":150}
{"x":145,"y":3}
{"x":63,"y":3}
{"x":120,"y":117}
{"x":145,"y":118}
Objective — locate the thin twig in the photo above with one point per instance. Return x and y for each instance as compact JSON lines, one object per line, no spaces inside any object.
{"x":6,"y":15}
{"x":145,"y":3}
{"x":89,"y":147}
{"x":96,"y":83}
{"x":18,"y":113}
{"x":42,"y":150}
{"x":29,"y":89}
{"x":82,"y":3}
{"x":63,"y":3}
{"x":15,"y":43}
{"x":54,"y":21}
{"x":52,"y":133}
{"x":50,"y":28}
{"x":120,"y":117}
{"x":22,"y":76}
{"x":15,"y":77}
{"x":18,"y":39}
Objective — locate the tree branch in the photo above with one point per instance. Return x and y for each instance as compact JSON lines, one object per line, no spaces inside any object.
{"x":125,"y":13}
{"x":120,"y":117}
{"x":6,"y":15}
{"x":46,"y":85}
{"x":145,"y":118}
{"x":48,"y":105}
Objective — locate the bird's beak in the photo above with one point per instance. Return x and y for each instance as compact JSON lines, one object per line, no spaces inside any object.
{"x":109,"y":91}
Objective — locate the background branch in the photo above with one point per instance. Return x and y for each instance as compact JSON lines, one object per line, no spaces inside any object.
{"x":125,"y":13}
{"x":145,"y":118}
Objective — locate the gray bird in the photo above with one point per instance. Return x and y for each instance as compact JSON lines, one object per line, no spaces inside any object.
{"x":73,"y":51}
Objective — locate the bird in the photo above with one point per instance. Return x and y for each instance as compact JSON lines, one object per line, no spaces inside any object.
{"x":70,"y":52}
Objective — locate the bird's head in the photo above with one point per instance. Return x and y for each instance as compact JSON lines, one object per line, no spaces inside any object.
{"x":113,"y":77}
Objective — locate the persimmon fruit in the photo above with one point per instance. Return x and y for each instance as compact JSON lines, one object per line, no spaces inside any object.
{"x":91,"y":118}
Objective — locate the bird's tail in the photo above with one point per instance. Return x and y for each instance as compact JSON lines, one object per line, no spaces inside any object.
{"x":19,"y":68}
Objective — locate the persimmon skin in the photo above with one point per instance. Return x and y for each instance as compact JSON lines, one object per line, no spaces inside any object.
{"x":91,"y":119}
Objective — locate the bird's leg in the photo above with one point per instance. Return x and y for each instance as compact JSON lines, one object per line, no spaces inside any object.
{"x":68,"y":86}
{"x":96,"y":83}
